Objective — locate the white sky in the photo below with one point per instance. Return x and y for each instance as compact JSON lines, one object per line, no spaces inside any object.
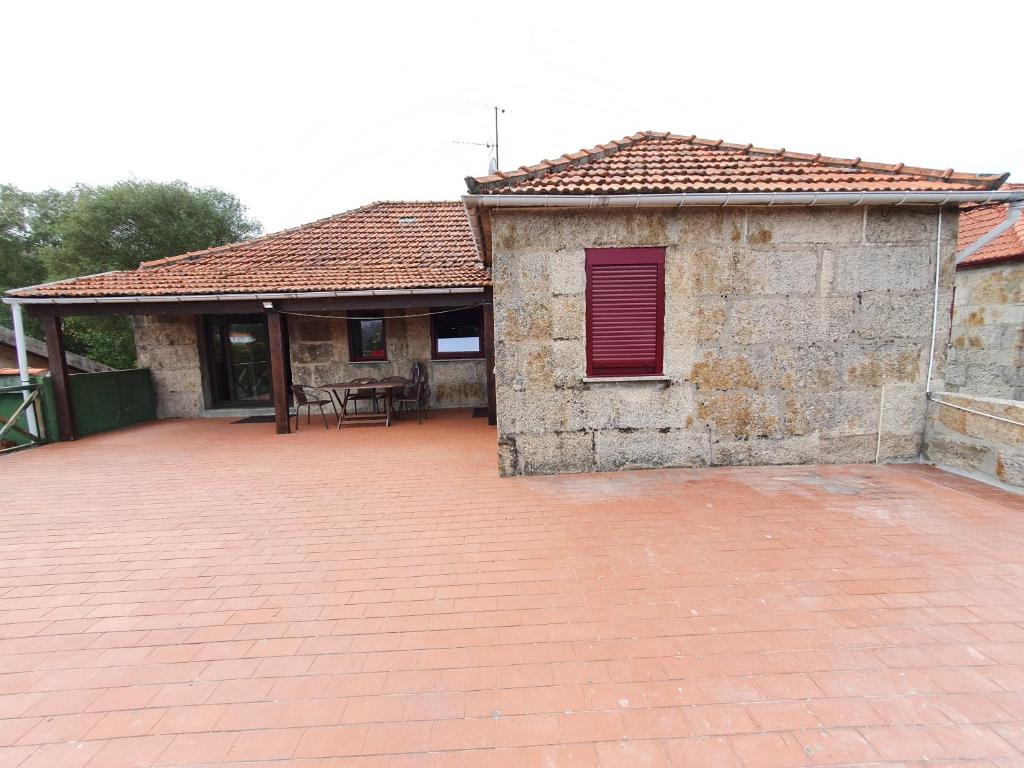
{"x":305,"y":109}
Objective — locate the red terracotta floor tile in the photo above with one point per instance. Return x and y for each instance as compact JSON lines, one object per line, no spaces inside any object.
{"x":137,"y":752}
{"x":632,"y":754}
{"x":207,"y":610}
{"x":702,"y":752}
{"x":389,"y":738}
{"x":72,"y":754}
{"x":716,"y":719}
{"x":835,"y":746}
{"x":768,"y":750}
{"x":265,"y":744}
{"x":331,"y":741}
{"x":197,"y":748}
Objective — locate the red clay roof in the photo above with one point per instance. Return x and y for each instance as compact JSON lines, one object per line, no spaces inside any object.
{"x":384,"y":245}
{"x":664,"y":163}
{"x":975,"y":221}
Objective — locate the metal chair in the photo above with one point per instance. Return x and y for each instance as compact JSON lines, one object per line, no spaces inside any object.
{"x":354,"y":396}
{"x":382,"y":395}
{"x":425,"y":391}
{"x":413,"y":395}
{"x":307,"y":397}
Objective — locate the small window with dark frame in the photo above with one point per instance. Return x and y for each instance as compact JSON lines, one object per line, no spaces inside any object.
{"x":625,"y":311}
{"x":458,"y":334}
{"x":367,"y":338}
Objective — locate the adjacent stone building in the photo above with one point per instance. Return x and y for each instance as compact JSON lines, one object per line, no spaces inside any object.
{"x":36,"y":354}
{"x":977,"y":424}
{"x":986,"y":355}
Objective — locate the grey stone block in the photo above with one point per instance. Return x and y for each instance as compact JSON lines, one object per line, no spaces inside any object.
{"x":644,"y":449}
{"x":886,"y":224}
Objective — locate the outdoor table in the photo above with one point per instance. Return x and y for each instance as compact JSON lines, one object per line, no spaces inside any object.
{"x":387,"y":387}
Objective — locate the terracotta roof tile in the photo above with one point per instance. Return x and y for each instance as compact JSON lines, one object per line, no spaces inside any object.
{"x":665,"y":163}
{"x":975,"y":221}
{"x":380,"y":246}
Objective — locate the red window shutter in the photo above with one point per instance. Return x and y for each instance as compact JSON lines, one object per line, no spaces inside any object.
{"x":625,"y":311}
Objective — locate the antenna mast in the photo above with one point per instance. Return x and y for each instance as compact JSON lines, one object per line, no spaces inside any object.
{"x":489,"y":145}
{"x":497,"y":159}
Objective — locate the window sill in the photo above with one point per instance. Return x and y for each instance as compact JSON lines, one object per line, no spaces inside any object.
{"x":621,"y":379}
{"x":457,"y":359}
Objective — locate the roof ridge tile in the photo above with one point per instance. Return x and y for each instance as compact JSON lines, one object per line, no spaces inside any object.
{"x":190,"y":255}
{"x":904,"y":177}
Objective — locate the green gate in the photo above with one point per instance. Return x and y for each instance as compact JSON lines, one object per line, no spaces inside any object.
{"x":100,"y":402}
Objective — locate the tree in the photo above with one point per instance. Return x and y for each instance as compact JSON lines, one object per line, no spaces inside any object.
{"x":54,"y":235}
{"x":27,"y":226}
{"x":119,"y":226}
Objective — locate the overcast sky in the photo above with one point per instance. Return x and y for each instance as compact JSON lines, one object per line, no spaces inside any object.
{"x":307,"y":109}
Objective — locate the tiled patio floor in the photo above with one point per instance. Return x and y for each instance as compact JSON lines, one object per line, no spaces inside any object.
{"x":203,"y":593}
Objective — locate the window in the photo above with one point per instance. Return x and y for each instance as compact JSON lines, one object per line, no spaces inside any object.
{"x":367,"y":340}
{"x":625,"y":311}
{"x":457,"y":334}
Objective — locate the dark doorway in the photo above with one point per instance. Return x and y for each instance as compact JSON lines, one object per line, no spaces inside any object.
{"x":237,"y":360}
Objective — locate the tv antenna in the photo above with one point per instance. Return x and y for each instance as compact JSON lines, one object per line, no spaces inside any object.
{"x":495,"y":163}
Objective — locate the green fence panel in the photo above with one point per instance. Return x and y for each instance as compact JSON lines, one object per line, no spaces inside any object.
{"x":10,"y":401}
{"x":112,"y":399}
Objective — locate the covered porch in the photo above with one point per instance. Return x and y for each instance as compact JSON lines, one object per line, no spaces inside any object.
{"x":367,"y":293}
{"x":288,"y":340}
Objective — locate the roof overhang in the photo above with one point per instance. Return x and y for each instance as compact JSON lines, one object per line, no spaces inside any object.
{"x":715,"y":199}
{"x":234,"y":297}
{"x":995,"y":261}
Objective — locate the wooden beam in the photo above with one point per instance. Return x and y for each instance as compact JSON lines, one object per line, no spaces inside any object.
{"x":277,"y":330}
{"x":241,"y":307}
{"x":53,"y":329}
{"x":492,"y":406}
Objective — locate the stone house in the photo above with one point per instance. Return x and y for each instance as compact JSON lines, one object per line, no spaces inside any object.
{"x":660,"y":300}
{"x":795,"y":289}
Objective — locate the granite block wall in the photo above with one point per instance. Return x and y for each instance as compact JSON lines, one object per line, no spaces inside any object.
{"x":782,"y":325}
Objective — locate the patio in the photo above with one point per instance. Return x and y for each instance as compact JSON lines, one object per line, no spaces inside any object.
{"x":196,"y":592}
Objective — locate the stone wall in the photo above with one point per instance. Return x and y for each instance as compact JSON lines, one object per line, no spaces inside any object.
{"x":320,"y":355}
{"x":168,"y":346}
{"x":986,"y":355}
{"x":781,"y":327}
{"x":977,"y":443}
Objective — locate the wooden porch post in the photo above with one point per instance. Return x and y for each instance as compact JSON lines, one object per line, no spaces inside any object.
{"x":277,"y":329}
{"x":53,"y":329}
{"x":492,"y":408}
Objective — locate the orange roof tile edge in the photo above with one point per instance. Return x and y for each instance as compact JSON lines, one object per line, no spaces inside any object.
{"x":500,"y":179}
{"x":976,"y":220}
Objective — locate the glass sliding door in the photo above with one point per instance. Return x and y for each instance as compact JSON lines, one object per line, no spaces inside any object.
{"x":238,"y":359}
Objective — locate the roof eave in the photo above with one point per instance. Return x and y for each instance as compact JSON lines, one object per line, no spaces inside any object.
{"x":228,"y":297}
{"x":683,"y":199}
{"x":990,"y":261}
